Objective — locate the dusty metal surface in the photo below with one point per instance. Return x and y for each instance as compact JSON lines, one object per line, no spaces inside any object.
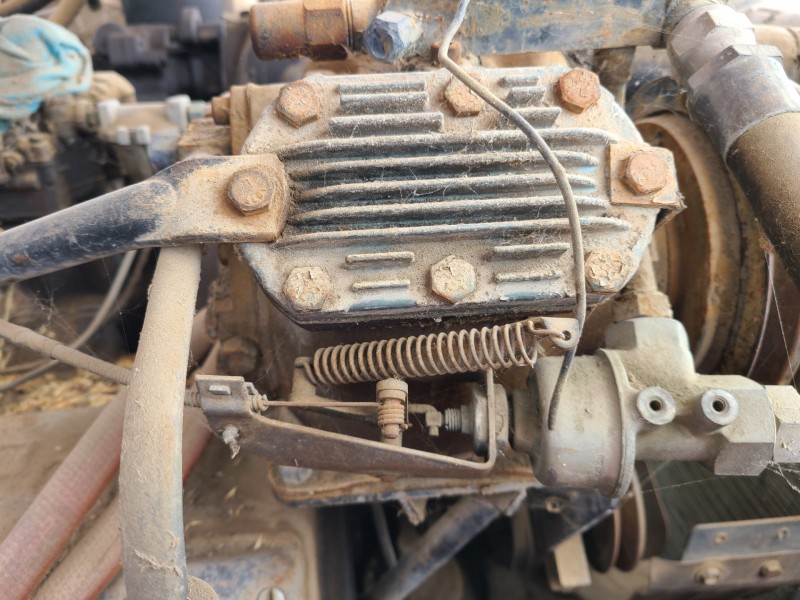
{"x":387,"y":170}
{"x":726,"y":422}
{"x":184,"y":204}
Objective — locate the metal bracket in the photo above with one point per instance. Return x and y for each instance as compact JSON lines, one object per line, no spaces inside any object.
{"x":184,"y":204}
{"x":733,"y":555}
{"x":228,"y":402}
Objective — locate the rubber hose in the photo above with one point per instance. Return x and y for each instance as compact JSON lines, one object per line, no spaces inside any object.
{"x":36,"y":541}
{"x":764,"y":161}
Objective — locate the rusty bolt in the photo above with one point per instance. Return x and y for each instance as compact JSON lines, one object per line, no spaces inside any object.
{"x":307,"y":288}
{"x":770,"y":569}
{"x":221,"y":110}
{"x":579,"y":89}
{"x":453,"y":279}
{"x":646,"y":172}
{"x":238,"y":356}
{"x":461,"y":100}
{"x":708,"y":575}
{"x":606,"y":270}
{"x":251,"y":191}
{"x":298,"y":103}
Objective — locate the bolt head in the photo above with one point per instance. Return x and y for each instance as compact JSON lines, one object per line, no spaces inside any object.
{"x":307,"y":288}
{"x":770,"y":569}
{"x":579,"y":89}
{"x":453,"y":279}
{"x":221,"y":110}
{"x":708,"y":575}
{"x":298,"y":103}
{"x":606,"y":270}
{"x":390,"y":36}
{"x":251,"y":191}
{"x":461,"y":99}
{"x":646,"y":172}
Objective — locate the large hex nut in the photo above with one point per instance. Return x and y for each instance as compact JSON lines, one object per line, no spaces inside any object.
{"x":298,"y":103}
{"x":453,"y":279}
{"x":607,"y":270}
{"x":390,"y":36}
{"x":785,"y":403}
{"x":326,"y":22}
{"x":579,"y":89}
{"x":307,"y":288}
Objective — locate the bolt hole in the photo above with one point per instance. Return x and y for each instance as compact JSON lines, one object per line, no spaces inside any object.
{"x":567,"y":335}
{"x":719,"y":405}
{"x":656,"y":405}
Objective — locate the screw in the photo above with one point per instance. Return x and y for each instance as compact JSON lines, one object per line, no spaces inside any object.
{"x":307,"y":288}
{"x":770,"y":569}
{"x":298,"y":103}
{"x":646,"y":172}
{"x":579,"y":89}
{"x":453,"y":279}
{"x":390,"y":36}
{"x":606,"y":270}
{"x":251,"y":191}
{"x":461,"y":99}
{"x":708,"y":575}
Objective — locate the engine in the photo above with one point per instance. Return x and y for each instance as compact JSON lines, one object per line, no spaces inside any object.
{"x":438,"y":298}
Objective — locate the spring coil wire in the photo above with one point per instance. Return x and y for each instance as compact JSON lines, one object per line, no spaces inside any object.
{"x":464,"y":351}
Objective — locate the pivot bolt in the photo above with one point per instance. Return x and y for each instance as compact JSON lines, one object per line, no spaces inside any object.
{"x":251,"y":191}
{"x":453,"y":279}
{"x":646,"y":173}
{"x":579,"y":89}
{"x":298,"y":103}
{"x":307,"y":288}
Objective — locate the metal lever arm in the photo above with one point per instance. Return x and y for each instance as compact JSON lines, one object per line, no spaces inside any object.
{"x":184,"y":204}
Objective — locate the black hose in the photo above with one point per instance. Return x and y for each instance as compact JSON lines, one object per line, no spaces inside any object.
{"x":460,"y":524}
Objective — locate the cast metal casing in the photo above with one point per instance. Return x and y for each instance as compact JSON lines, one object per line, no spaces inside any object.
{"x":406,"y":205}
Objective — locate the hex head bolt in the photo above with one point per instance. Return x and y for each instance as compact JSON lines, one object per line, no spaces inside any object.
{"x":390,"y":36}
{"x":646,"y":173}
{"x":579,"y":89}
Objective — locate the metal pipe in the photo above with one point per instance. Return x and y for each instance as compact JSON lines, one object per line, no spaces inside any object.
{"x":765,"y":163}
{"x":39,"y":537}
{"x":151,"y":517}
{"x":460,"y":524}
{"x":739,"y":93}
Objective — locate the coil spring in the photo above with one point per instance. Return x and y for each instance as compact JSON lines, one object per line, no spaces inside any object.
{"x":465,"y":351}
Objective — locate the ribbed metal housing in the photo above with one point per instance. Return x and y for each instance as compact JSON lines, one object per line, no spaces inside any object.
{"x":389,"y":181}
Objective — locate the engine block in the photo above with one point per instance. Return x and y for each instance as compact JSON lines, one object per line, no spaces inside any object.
{"x":410,"y":198}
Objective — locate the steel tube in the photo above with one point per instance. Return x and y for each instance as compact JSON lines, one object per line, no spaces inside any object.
{"x":151,"y":503}
{"x":460,"y":524}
